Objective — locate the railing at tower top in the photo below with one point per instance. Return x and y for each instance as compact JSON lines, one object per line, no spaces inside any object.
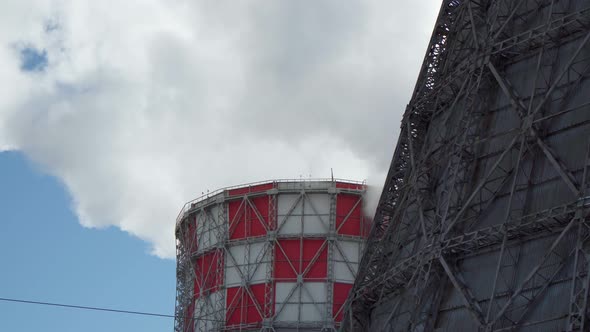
{"x":190,"y":203}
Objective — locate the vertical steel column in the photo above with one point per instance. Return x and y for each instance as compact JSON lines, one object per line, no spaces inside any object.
{"x":329,"y":319}
{"x":269,"y":300}
{"x":222,"y":236}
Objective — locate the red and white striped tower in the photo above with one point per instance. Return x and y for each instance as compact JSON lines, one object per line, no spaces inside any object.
{"x":276,"y":255}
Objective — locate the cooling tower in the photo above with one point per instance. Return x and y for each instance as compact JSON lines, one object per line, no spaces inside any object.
{"x":276,"y":256}
{"x":483,"y":224}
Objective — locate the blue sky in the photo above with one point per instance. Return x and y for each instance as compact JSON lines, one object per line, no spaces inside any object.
{"x":47,"y":256}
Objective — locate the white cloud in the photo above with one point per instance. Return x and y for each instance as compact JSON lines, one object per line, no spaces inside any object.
{"x":146,"y":104}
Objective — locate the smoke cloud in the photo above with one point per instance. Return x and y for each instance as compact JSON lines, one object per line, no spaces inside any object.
{"x":139,"y":106}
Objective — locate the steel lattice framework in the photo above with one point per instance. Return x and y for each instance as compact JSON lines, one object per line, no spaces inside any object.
{"x":483,"y":221}
{"x":270,"y":256}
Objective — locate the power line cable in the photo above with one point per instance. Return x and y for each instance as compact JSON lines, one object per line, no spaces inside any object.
{"x":71,"y":306}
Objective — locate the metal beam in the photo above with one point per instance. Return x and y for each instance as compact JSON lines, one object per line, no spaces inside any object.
{"x":533,"y":272}
{"x":463,"y":290}
{"x":565,"y":175}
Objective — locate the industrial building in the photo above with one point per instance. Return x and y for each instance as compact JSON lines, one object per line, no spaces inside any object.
{"x":483,"y":221}
{"x":273,"y":256}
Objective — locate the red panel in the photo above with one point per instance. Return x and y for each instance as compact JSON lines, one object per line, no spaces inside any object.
{"x":349,"y":218}
{"x":248,"y":217}
{"x":242,"y":308}
{"x":237,"y":227}
{"x":345,"y":185}
{"x":259,"y":216}
{"x":209,"y":272}
{"x":340,"y":294}
{"x":282,"y":268}
{"x":258,"y":292}
{"x":188,"y":317}
{"x":289,"y":263}
{"x":233,"y":305}
{"x":251,"y":189}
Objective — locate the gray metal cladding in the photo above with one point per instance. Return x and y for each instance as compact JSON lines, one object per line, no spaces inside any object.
{"x":483,"y":223}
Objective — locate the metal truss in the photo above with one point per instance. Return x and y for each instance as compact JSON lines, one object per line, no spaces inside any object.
{"x":483,"y":221}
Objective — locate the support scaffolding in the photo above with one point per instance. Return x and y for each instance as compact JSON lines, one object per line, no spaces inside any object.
{"x":483,"y":221}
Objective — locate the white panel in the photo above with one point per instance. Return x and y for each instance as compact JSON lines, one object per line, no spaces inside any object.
{"x":229,"y":262}
{"x":257,"y":271}
{"x":256,"y":249}
{"x":214,"y":213}
{"x":206,"y":307}
{"x":290,"y":309}
{"x":285,"y":202}
{"x":232,"y":276}
{"x":232,"y":270}
{"x":290,"y":312}
{"x":199,"y":219}
{"x":351,"y":252}
{"x":217,"y":297}
{"x":350,"y":249}
{"x":202,"y":306}
{"x":213,"y":225}
{"x":207,"y":228}
{"x":206,"y":240}
{"x":201,"y":310}
{"x":282,"y":290}
{"x":314,"y":210}
{"x":289,"y":223}
{"x":310,"y":312}
{"x":200,"y":228}
{"x":308,"y":293}
{"x":314,"y":292}
{"x":342,"y":272}
{"x":200,"y":237}
{"x":314,"y":225}
{"x":213,"y":237}
{"x":291,"y":226}
{"x":202,"y":325}
{"x":321,"y":203}
{"x":315,"y":219}
{"x":317,"y":213}
{"x":238,"y":253}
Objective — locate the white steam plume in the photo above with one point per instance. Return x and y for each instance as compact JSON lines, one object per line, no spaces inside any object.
{"x":139,"y":106}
